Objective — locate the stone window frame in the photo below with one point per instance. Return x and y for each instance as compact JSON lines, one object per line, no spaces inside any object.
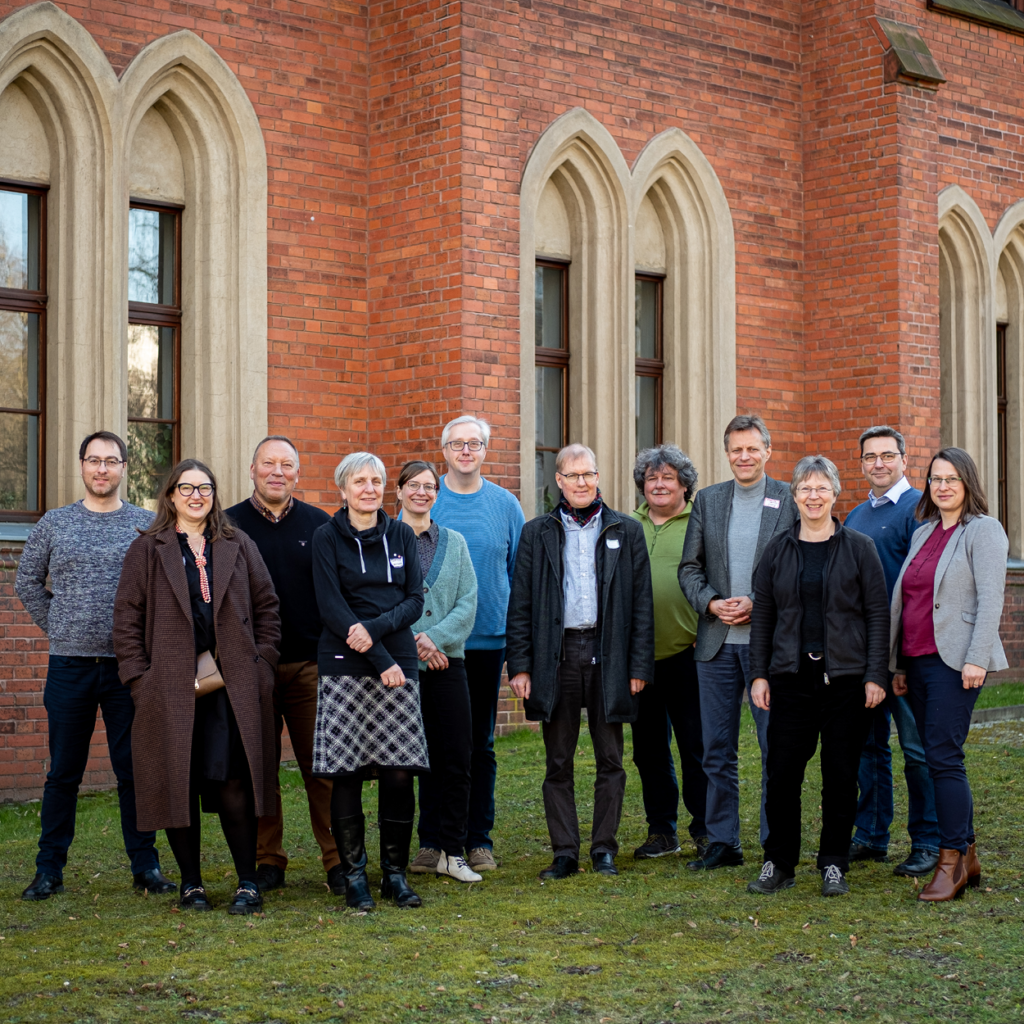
{"x":90,"y":117}
{"x":602,"y":197}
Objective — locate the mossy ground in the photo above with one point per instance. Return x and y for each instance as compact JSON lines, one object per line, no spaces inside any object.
{"x":656,"y":944}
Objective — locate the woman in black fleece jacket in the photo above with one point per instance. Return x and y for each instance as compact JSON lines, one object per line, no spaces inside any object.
{"x":369,"y":591}
{"x":820,"y":633}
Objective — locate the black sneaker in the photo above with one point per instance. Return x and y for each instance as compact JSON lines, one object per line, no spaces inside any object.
{"x":833,"y":883}
{"x":657,"y":845}
{"x":771,"y":880}
{"x":193,"y":897}
{"x":247,"y":900}
{"x":269,"y":876}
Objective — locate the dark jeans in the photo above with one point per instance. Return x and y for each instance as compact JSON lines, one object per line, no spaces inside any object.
{"x":804,"y":707}
{"x":444,"y":790}
{"x":579,"y":683}
{"x":483,"y":673}
{"x":942,"y":709}
{"x":722,"y":682}
{"x":875,"y":807}
{"x":672,"y":701}
{"x":75,"y":688}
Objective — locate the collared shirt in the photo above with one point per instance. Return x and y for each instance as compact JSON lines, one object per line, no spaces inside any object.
{"x":893,"y":494}
{"x":427,"y":547}
{"x":579,"y":584}
{"x":266,"y":513}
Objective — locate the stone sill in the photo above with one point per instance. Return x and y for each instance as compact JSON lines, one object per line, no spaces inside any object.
{"x":987,"y":12}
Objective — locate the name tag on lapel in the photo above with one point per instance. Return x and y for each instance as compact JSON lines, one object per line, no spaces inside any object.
{"x":612,"y":542}
{"x":397,"y":561}
{"x":771,"y":502}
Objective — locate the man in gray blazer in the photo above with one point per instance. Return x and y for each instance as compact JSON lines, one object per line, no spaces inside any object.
{"x":730,"y":526}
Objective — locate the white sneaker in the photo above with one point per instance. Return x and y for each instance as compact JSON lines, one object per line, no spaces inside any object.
{"x":455,"y":867}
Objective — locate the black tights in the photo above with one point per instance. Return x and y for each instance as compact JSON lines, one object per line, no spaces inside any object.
{"x":237,"y":818}
{"x":395,"y":802}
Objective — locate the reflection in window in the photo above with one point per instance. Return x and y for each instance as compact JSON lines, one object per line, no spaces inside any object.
{"x":154,"y":330}
{"x":22,"y":327}
{"x":551,"y":376}
{"x":650,"y":366}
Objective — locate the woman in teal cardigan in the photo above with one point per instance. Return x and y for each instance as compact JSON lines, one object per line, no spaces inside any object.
{"x":449,"y":608}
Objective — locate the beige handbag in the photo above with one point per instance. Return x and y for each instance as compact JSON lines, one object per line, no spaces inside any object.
{"x":208,"y":677}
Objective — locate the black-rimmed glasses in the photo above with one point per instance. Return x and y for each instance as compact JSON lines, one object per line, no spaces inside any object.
{"x":186,"y":490}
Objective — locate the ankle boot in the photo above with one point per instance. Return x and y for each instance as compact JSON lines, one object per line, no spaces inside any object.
{"x":395,"y":837}
{"x":973,"y":866}
{"x":350,"y":836}
{"x":950,"y":878}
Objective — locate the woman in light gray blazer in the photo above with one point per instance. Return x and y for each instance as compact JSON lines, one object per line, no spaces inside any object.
{"x":944,"y":639}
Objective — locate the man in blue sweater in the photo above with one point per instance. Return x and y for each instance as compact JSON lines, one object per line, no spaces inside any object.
{"x":490,"y":519}
{"x":887,"y":517}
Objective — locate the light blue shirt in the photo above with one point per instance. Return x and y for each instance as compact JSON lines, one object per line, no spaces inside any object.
{"x":579,"y":582}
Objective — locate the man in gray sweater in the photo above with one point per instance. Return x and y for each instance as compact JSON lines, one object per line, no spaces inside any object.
{"x":730,"y":526}
{"x":81,"y":548}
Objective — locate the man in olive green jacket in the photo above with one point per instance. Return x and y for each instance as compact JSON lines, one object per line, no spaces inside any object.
{"x":667,"y":478}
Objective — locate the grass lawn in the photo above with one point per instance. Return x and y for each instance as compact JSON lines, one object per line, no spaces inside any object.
{"x":656,"y":944}
{"x":1001,"y":695}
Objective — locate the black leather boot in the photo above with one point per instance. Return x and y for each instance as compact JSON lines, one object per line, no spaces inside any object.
{"x":350,"y":835}
{"x":395,"y":837}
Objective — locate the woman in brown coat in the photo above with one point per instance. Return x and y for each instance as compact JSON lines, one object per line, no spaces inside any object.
{"x":193,"y":583}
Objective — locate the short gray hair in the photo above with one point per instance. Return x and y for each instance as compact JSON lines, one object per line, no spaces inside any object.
{"x":740,"y":423}
{"x":482,"y":425}
{"x":901,"y":445}
{"x":665,"y":455}
{"x":275,"y":437}
{"x":810,"y":464}
{"x":353,"y":463}
{"x":574,"y":451}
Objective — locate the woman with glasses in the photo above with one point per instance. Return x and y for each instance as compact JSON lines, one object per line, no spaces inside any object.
{"x":196,"y":631}
{"x":441,"y":632}
{"x":818,"y":642}
{"x":945,"y":639}
{"x":369,"y":590}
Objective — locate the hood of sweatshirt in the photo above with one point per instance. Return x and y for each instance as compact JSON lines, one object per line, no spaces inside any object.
{"x":366,"y":540}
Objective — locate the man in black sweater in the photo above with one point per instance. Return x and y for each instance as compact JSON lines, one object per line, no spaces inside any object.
{"x":282,"y":528}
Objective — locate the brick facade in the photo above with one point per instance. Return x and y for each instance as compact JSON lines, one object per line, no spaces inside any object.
{"x":396,"y":136}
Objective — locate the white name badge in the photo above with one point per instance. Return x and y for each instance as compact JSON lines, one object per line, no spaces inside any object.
{"x":397,"y":561}
{"x":612,"y":542}
{"x":771,"y":503}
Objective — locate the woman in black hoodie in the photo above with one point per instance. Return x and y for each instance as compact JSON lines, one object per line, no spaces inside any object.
{"x":369,"y":591}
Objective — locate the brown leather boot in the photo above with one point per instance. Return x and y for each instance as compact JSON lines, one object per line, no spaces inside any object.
{"x":950,"y":878}
{"x":973,"y":866}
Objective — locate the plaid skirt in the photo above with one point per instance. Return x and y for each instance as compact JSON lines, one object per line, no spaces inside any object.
{"x":362,"y":725}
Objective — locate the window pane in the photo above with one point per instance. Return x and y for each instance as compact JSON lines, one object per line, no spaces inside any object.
{"x":548,"y":494}
{"x":647,"y":319}
{"x":150,"y":371}
{"x":19,"y":462}
{"x":549,"y":424}
{"x":150,"y":256}
{"x":150,"y":447}
{"x":19,"y":359}
{"x":646,"y":412}
{"x":19,"y":240}
{"x":548,"y":307}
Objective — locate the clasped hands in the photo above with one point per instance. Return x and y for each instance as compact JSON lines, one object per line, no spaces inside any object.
{"x":359,"y":640}
{"x":733,"y":611}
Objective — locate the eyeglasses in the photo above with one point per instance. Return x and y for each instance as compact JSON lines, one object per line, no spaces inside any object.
{"x":888,"y":458}
{"x":806,"y":492}
{"x":425,"y":488}
{"x":938,"y":481}
{"x":571,"y":478}
{"x":186,"y":490}
{"x":473,"y":446}
{"x":93,"y":463}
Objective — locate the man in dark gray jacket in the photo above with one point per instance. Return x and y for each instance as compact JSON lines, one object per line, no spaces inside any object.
{"x":580,"y":634}
{"x":730,"y":525}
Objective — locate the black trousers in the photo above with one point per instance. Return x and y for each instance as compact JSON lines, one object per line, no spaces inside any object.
{"x":444,"y":790}
{"x":804,"y":707}
{"x":579,"y":680}
{"x":671,"y":702}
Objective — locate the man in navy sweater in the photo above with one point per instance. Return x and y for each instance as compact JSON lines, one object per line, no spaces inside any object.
{"x":887,"y":517}
{"x":282,"y":527}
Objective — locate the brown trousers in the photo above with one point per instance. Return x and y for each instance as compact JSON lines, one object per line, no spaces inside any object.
{"x":295,"y":691}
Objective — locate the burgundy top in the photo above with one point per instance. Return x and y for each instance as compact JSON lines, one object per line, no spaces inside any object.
{"x":919,"y":593}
